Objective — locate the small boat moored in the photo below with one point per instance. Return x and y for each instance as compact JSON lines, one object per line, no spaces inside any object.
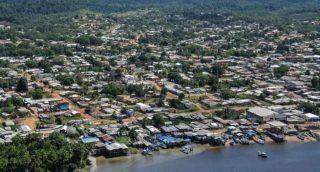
{"x":146,"y":152}
{"x":186,"y":149}
{"x":262,"y":154}
{"x":232,"y":143}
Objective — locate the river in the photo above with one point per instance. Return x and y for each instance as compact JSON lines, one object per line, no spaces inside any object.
{"x":286,"y":157}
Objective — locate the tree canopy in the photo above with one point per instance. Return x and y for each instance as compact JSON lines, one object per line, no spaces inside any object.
{"x":49,"y":154}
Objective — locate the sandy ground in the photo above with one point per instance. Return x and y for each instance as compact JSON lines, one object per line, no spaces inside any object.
{"x":29,"y":121}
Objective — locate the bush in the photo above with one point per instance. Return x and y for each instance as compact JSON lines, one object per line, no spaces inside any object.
{"x":228,"y":114}
{"x":112,"y":90}
{"x":66,"y":80}
{"x":281,"y":71}
{"x":22,"y":85}
{"x":36,"y":93}
{"x":88,"y":40}
{"x":124,"y":140}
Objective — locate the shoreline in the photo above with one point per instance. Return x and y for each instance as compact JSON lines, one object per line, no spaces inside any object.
{"x":164,"y":155}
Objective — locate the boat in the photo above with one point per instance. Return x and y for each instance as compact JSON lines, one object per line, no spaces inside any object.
{"x":232,"y":143}
{"x":146,"y":152}
{"x":217,"y":141}
{"x":278,"y":138}
{"x":186,"y":149}
{"x":258,"y":140}
{"x":236,"y":140}
{"x":155,"y":147}
{"x":163,"y":146}
{"x":261,"y":142}
{"x":301,"y":137}
{"x":262,"y":154}
{"x":244,"y":141}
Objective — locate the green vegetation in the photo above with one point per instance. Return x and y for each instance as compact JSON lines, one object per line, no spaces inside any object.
{"x":49,"y":154}
{"x":193,"y":49}
{"x":177,"y":104}
{"x":315,"y":82}
{"x":52,"y":20}
{"x":309,"y":107}
{"x":228,"y":114}
{"x":281,"y":71}
{"x":124,"y":140}
{"x":66,"y":80}
{"x":11,"y":104}
{"x":36,"y":93}
{"x":226,"y":93}
{"x":138,"y":90}
{"x":217,"y":70}
{"x":158,"y":120}
{"x":22,"y":85}
{"x":88,"y":40}
{"x":4,"y":63}
{"x":112,"y":90}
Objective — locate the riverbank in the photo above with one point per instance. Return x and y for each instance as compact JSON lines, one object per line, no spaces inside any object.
{"x":157,"y":157}
{"x":166,"y":155}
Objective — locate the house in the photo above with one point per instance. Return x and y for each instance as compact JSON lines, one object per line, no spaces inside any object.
{"x":143,"y":107}
{"x":311,"y":117}
{"x":8,"y":123}
{"x":183,"y":127}
{"x":169,"y":129}
{"x":25,"y":129}
{"x":90,"y":139}
{"x":260,"y":114}
{"x":152,"y":129}
{"x":63,"y":106}
{"x":116,"y":149}
{"x":277,"y":126}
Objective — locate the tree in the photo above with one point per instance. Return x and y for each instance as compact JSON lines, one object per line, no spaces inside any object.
{"x":228,"y":113}
{"x":201,"y":79}
{"x":226,"y":93}
{"x":158,"y":120}
{"x":22,"y":85}
{"x":36,"y":93}
{"x":307,"y":72}
{"x":316,"y":51}
{"x":177,"y":104}
{"x":315,"y":82}
{"x":146,"y":121}
{"x":53,"y":153}
{"x":181,"y":96}
{"x":136,"y":89}
{"x":163,"y":92}
{"x":281,"y":71}
{"x":112,"y":90}
{"x":31,"y":64}
{"x":45,"y":65}
{"x":66,"y":79}
{"x":123,"y":130}
{"x":308,"y":107}
{"x":213,"y":83}
{"x":133,"y":134}
{"x":88,"y":40}
{"x":217,"y":70}
{"x":4,"y":63}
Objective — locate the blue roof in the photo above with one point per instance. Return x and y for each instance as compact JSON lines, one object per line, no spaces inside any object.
{"x":64,"y":106}
{"x":89,"y":139}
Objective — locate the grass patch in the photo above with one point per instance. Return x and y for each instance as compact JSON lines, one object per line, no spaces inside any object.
{"x":125,"y":140}
{"x":133,"y":150}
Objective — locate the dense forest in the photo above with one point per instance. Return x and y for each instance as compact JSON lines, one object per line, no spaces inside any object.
{"x":266,"y":10}
{"x":47,"y":19}
{"x":36,"y":154}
